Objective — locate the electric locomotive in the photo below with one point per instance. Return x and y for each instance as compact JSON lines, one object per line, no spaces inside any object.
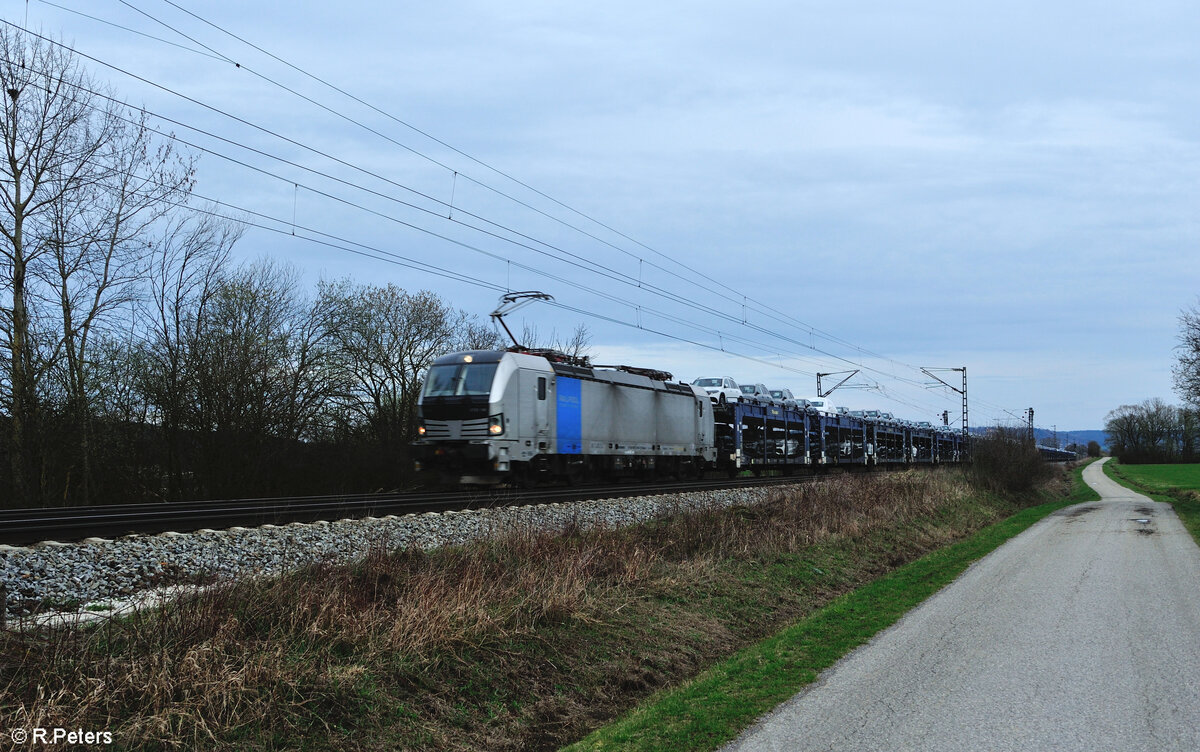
{"x":492,"y":416}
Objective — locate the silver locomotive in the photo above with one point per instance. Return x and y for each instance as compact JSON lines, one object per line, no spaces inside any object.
{"x":490,"y":416}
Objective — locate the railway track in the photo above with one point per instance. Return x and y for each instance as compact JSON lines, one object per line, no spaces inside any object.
{"x":21,"y":527}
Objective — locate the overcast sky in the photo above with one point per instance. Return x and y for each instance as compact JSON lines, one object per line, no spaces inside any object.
{"x":763,"y":190}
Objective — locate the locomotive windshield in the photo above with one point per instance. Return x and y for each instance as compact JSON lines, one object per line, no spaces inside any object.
{"x":456,"y":379}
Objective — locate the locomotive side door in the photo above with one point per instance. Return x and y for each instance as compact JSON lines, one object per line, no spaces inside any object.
{"x":534,"y":392}
{"x":541,"y":403}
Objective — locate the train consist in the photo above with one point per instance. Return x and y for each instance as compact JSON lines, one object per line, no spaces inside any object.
{"x":521,"y":415}
{"x":1054,"y":454}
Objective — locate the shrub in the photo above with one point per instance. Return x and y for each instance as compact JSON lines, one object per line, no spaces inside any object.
{"x":1005,"y":461}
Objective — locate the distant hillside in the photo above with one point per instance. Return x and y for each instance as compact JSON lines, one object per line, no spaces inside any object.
{"x":1044,"y":436}
{"x":1077,"y":437}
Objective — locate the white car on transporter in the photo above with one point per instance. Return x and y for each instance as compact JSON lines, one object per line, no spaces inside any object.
{"x":821,"y":405}
{"x":720,"y":390}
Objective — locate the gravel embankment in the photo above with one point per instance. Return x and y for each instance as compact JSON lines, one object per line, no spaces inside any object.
{"x":68,"y":576}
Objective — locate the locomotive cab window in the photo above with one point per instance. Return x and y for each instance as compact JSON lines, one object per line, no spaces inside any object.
{"x":541,"y":387}
{"x":455,"y":379}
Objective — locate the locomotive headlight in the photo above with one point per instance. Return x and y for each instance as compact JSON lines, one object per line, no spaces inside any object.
{"x":421,"y":430}
{"x":496,"y":424}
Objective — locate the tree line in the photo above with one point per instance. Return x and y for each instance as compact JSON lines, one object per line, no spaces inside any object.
{"x":139,"y":362}
{"x":218,"y":379}
{"x":1154,"y":432}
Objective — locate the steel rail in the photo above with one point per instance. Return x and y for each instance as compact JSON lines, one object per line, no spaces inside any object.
{"x":20,"y":527}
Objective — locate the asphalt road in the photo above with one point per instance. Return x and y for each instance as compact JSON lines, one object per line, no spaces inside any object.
{"x":1082,"y":633}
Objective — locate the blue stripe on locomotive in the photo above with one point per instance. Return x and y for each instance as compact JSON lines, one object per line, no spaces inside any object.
{"x":570,"y":415}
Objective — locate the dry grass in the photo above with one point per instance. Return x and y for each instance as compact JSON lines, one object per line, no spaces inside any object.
{"x":804,"y":515}
{"x":527,"y":641}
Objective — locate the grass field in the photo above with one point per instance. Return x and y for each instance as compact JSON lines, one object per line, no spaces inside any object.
{"x":1160,"y":478}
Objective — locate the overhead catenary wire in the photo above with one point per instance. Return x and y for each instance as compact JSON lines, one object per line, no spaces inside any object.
{"x":217,"y":55}
{"x":525,"y":267}
{"x":217,"y":110}
{"x":333,"y":242}
{"x":665,"y":316}
{"x":283,"y":226}
{"x":772,"y":313}
{"x":574,"y":259}
{"x":126,"y":29}
{"x":664,"y":293}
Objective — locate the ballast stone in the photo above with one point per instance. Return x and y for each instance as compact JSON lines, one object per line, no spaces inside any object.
{"x":62,"y":575}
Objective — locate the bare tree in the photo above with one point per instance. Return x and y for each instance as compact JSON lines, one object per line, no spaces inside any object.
{"x":1186,"y":371}
{"x":471,"y":334}
{"x":100,"y":251}
{"x":1147,"y":432}
{"x":126,"y":444}
{"x":577,"y":345}
{"x":189,"y":259}
{"x":1160,"y":425}
{"x":80,"y":180}
{"x":386,"y":338}
{"x":1189,"y":432}
{"x":254,"y":375}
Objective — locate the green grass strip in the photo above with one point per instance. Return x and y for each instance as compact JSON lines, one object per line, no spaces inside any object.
{"x":714,"y":708}
{"x":1188,"y":511}
{"x":1080,"y":491}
